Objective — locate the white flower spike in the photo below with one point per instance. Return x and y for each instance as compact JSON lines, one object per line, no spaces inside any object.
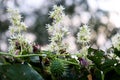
{"x":18,"y":43}
{"x":57,"y":30}
{"x":83,"y":35}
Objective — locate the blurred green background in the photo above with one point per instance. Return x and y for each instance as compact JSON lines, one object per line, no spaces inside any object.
{"x":102,"y":16}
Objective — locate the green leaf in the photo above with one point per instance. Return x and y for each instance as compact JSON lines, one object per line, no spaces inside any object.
{"x":108,"y":65}
{"x":95,"y":56}
{"x":112,"y":75}
{"x":117,"y":68}
{"x":2,"y":60}
{"x":96,"y":52}
{"x":117,"y":52}
{"x":96,"y":73}
{"x":100,"y":60}
{"x":18,"y":72}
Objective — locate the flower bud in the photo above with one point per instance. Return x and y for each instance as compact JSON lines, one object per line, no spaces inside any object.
{"x":36,"y":48}
{"x":17,"y":45}
{"x":83,"y":62}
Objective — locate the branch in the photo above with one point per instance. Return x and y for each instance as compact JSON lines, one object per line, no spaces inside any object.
{"x":19,"y":56}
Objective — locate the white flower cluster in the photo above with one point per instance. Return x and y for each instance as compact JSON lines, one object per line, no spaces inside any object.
{"x":57,"y":30}
{"x":18,"y":43}
{"x":15,"y":18}
{"x":116,"y":41}
{"x":83,"y":35}
{"x":57,"y":14}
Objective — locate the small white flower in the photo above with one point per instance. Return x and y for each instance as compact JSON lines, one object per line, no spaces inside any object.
{"x":14,"y":16}
{"x":116,"y":41}
{"x":83,"y":35}
{"x":57,"y":13}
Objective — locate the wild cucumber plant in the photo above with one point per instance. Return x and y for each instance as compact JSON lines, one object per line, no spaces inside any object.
{"x":57,"y":63}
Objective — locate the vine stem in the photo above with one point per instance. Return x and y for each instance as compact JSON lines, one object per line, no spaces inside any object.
{"x":19,"y":56}
{"x":7,"y":54}
{"x":69,"y":62}
{"x":102,"y":75}
{"x":28,"y":55}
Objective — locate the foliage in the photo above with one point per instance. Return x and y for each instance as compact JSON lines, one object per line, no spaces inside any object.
{"x":26,"y":61}
{"x":18,"y":72}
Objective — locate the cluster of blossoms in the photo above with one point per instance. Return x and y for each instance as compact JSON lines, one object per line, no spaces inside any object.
{"x":18,"y":43}
{"x":57,"y":29}
{"x":83,"y":35}
{"x":15,"y":18}
{"x":116,"y":41}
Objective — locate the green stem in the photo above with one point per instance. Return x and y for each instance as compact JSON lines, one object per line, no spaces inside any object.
{"x":102,"y":75}
{"x":19,"y":56}
{"x":27,"y":55}
{"x":69,"y":62}
{"x":7,"y":54}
